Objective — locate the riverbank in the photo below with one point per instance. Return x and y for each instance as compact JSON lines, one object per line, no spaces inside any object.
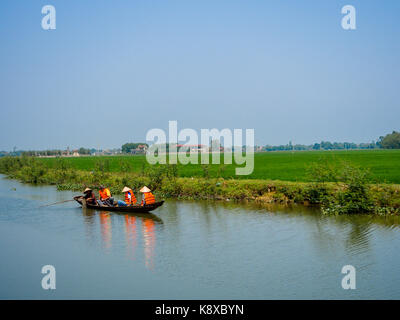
{"x":351,"y":194}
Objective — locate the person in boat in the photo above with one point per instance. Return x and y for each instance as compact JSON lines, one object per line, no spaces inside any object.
{"x":89,"y":196}
{"x":147,"y":196}
{"x":105,"y":197}
{"x":130,"y":198}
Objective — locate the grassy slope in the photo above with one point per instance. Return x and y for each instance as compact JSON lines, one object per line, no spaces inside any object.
{"x":285,"y":166}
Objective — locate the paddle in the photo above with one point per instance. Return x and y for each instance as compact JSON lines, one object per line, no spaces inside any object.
{"x":51,"y":204}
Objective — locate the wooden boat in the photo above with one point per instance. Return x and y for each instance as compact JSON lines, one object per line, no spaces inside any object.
{"x":132,"y":209}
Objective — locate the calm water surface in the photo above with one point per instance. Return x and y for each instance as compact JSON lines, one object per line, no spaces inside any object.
{"x":190,"y":250}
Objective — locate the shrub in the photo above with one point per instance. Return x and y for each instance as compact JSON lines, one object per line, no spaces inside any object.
{"x":355,"y":197}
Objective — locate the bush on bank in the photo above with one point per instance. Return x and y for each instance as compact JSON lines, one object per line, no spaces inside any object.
{"x":351,"y":193}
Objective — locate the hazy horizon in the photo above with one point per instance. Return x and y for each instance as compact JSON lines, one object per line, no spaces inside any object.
{"x":111,"y":71}
{"x":71,"y":148}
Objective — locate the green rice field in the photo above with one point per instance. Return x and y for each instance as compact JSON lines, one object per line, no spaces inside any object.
{"x":384,"y":165}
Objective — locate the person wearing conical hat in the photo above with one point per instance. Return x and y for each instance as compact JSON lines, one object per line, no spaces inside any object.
{"x":147,"y":196}
{"x":130,"y":198}
{"x":89,"y":196}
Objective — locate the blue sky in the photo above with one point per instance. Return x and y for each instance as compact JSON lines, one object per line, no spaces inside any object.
{"x":112,"y":70}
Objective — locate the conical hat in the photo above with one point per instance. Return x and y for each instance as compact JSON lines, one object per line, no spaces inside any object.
{"x":145,"y":189}
{"x":87,"y":189}
{"x":126,"y":189}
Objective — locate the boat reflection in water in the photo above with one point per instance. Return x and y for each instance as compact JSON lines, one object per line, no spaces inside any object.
{"x":149,"y":237}
{"x":130,"y":235}
{"x":106,"y":232}
{"x":137,"y":226}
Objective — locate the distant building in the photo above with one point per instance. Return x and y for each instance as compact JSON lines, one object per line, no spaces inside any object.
{"x":193,"y":148}
{"x":107,"y":152}
{"x":141,"y":148}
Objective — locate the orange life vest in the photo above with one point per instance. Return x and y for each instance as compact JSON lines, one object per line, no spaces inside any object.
{"x":131,"y":200}
{"x":149,"y":198}
{"x":104,"y":194}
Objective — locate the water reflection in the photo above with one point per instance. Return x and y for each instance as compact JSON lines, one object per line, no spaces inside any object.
{"x":89,"y":219}
{"x":149,"y":238}
{"x":137,"y":226}
{"x":215,"y":249}
{"x":131,"y":235}
{"x":358,"y":239}
{"x":353,"y":233}
{"x":218,"y":233}
{"x":106,"y":231}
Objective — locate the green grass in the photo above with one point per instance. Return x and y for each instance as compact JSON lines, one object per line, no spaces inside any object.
{"x":384,"y":165}
{"x":338,"y":185}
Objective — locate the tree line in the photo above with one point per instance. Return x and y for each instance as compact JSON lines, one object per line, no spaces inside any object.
{"x":128,"y":147}
{"x":389,"y":141}
{"x":56,"y":152}
{"x":323,"y":145}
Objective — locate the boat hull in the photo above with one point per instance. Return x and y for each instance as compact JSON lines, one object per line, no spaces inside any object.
{"x":131,"y":209}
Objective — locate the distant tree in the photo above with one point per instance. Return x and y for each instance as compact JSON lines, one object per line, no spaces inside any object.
{"x":390,"y":141}
{"x":83,"y":151}
{"x":128,"y":147}
{"x":41,"y":153}
{"x":326,"y":145}
{"x":316,"y":146}
{"x":338,"y":146}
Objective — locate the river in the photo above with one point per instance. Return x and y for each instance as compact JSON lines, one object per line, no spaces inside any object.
{"x":190,"y":250}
